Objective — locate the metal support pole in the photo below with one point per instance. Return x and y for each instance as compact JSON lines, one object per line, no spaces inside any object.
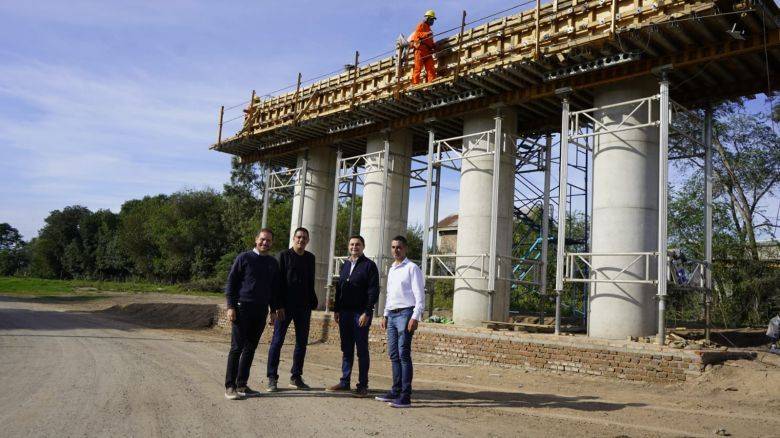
{"x":352,"y":193}
{"x":563,"y":178}
{"x":333,"y":220}
{"x":221,"y":116}
{"x":426,"y":214}
{"x":266,"y":195}
{"x":545,"y":227}
{"x":380,"y":255}
{"x":304,"y":171}
{"x":435,"y":234}
{"x":707,"y":220}
{"x":498,"y":144}
{"x":663,"y":177}
{"x":588,"y":233}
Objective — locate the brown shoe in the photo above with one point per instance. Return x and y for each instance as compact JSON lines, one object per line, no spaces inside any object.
{"x":337,"y":387}
{"x":360,"y":392}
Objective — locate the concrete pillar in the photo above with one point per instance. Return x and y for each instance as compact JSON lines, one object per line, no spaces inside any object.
{"x":316,"y":212}
{"x":625,"y":213}
{"x":470,"y":305}
{"x":397,"y":201}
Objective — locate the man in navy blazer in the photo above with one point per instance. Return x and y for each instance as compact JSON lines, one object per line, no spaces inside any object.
{"x":356,"y":295}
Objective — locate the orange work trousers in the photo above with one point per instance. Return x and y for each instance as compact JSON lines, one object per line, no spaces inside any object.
{"x":423,"y":58}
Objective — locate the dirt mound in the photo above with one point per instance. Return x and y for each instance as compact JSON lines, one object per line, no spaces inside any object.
{"x":166,"y":315}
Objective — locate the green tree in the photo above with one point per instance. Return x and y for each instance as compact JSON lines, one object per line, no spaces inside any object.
{"x":746,"y":168}
{"x":60,"y":233}
{"x":746,"y":173}
{"x":241,"y":215}
{"x":13,"y":254}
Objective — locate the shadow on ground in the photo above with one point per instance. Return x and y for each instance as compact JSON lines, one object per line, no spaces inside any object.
{"x":487,"y":399}
{"x":445,"y":398}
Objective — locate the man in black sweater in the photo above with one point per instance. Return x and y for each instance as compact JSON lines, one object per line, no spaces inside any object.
{"x":356,"y":294}
{"x":299,"y":299}
{"x":252,"y":286}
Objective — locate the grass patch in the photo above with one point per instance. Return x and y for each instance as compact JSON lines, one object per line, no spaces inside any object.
{"x":39,"y":287}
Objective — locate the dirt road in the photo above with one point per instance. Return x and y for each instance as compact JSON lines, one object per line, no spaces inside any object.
{"x":71,"y":373}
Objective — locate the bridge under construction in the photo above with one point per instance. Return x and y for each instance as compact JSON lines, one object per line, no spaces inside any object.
{"x":596,"y":88}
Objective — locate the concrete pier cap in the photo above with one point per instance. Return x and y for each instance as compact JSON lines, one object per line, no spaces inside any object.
{"x":625,"y":213}
{"x":315,"y":210}
{"x":396,"y":208}
{"x":472,"y":297}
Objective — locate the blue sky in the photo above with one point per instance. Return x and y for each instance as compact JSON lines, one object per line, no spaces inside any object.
{"x":102,"y":102}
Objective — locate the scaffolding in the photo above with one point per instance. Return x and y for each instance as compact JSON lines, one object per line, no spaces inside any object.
{"x":535,"y":204}
{"x":351,"y":172}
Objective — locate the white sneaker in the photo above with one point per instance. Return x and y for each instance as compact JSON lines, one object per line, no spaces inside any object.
{"x":232,"y":394}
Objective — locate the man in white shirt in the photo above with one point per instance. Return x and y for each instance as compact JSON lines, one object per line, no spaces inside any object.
{"x":404,"y":306}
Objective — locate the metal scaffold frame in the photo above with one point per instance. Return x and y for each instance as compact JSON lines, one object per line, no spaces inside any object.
{"x":535,"y":156}
{"x":350,"y":173}
{"x":448,"y":153}
{"x":284,"y":180}
{"x":579,"y":125}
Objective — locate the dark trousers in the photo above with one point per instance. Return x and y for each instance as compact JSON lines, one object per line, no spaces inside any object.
{"x":352,"y":336}
{"x":245,"y":334}
{"x":399,"y":348}
{"x":302,"y":320}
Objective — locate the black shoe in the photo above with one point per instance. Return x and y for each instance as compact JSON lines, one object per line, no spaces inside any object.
{"x":272,"y":385}
{"x":360,"y":392}
{"x":298,"y":383}
{"x":246,"y":391}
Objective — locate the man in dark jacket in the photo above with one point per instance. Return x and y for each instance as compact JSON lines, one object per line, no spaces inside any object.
{"x":299,"y":299}
{"x":356,"y":294}
{"x":253,"y":285}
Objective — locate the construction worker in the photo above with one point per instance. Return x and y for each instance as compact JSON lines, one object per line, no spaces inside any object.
{"x":421,"y":40}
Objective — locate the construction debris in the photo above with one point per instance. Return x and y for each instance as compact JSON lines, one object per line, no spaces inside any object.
{"x":674,"y":340}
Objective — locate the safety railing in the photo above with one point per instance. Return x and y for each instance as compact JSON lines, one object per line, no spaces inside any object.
{"x":455,"y":266}
{"x":585,"y":123}
{"x":284,"y":178}
{"x":625,"y":272}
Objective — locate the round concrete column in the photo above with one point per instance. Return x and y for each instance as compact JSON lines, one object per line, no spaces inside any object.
{"x":316,"y":212}
{"x":470,"y":305}
{"x":397,"y":201}
{"x":625,"y":214}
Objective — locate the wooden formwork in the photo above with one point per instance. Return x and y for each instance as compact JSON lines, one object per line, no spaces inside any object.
{"x":554,"y":28}
{"x":526,"y":54}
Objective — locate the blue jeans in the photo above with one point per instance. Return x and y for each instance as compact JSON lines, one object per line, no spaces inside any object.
{"x":352,"y":335}
{"x":302,"y":320}
{"x":399,"y":348}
